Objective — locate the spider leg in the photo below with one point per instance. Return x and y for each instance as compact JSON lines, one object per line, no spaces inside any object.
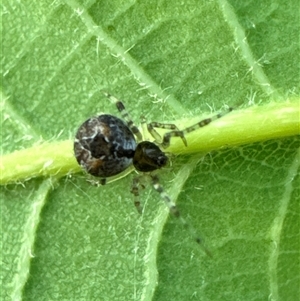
{"x":125,"y":115}
{"x":135,"y":187}
{"x":177,"y":133}
{"x":169,"y":126}
{"x":174,"y":210}
{"x":171,"y":205}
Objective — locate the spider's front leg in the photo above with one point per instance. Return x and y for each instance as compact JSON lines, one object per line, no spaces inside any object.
{"x":175,"y":132}
{"x":165,"y":141}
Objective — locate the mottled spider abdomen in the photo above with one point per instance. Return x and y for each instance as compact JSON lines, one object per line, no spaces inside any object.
{"x":104,"y":146}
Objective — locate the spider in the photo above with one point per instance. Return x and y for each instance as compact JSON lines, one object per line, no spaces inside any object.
{"x":106,"y":145}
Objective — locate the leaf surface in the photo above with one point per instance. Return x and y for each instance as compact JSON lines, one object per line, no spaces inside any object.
{"x":65,"y":239}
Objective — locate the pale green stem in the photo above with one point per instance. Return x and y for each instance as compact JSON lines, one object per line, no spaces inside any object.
{"x":256,"y":123}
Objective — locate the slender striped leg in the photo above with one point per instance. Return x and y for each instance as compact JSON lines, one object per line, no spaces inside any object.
{"x":165,"y":141}
{"x":125,"y":115}
{"x":135,"y":188}
{"x":174,"y":210}
{"x":171,"y":205}
{"x":168,"y":126}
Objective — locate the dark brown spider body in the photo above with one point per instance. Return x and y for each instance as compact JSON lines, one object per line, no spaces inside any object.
{"x":105,"y":146}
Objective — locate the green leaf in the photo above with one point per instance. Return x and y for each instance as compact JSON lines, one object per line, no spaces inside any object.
{"x":237,"y":182}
